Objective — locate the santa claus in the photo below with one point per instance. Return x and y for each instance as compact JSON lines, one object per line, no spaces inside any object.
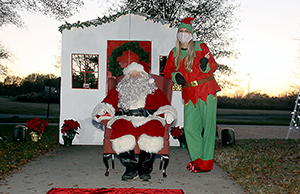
{"x":136,"y":110}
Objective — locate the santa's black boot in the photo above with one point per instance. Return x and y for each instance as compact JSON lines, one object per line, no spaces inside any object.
{"x":129,"y":161}
{"x":146,"y":165}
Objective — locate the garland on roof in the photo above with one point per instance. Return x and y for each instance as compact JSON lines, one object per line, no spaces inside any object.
{"x":113,"y":64}
{"x":111,"y":18}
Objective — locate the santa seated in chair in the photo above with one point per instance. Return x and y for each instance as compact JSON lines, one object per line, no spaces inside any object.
{"x":137,"y":111}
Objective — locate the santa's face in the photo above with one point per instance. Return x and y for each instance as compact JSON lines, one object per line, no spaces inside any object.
{"x":135,"y":74}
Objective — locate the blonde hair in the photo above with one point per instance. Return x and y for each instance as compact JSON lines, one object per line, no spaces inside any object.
{"x":188,"y":63}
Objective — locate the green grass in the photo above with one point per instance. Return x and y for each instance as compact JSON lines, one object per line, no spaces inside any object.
{"x":9,"y":106}
{"x":264,"y":165}
{"x":14,"y":154}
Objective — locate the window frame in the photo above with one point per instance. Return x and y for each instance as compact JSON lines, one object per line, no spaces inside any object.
{"x":85,"y":72}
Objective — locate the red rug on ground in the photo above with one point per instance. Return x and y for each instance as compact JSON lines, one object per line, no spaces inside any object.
{"x":113,"y":190}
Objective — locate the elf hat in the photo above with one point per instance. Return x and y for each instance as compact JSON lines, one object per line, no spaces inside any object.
{"x":186,"y":23}
{"x":143,"y":67}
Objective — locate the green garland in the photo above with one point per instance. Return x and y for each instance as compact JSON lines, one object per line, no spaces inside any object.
{"x":114,"y":66}
{"x":111,"y":18}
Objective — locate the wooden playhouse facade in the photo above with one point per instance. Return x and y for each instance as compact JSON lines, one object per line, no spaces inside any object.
{"x":88,"y":48}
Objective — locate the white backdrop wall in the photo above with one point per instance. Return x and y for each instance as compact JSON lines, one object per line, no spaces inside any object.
{"x":78,"y":104}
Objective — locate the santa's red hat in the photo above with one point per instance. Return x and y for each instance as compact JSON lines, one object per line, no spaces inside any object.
{"x":146,"y":66}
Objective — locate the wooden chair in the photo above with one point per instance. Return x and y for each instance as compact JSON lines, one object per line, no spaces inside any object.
{"x":166,"y":86}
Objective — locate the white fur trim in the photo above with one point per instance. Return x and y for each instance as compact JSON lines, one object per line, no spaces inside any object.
{"x":166,"y":109}
{"x":169,"y":118}
{"x":123,"y":144}
{"x":133,"y":67}
{"x":101,"y":109}
{"x":150,"y":144}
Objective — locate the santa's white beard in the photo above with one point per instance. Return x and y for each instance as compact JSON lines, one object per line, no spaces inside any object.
{"x":131,"y":90}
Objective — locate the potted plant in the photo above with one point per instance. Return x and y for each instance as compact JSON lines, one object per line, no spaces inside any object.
{"x":69,"y":130}
{"x":178,"y":133}
{"x":37,"y":127}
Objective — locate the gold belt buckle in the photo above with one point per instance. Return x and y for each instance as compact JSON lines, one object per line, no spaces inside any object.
{"x":194,"y":83}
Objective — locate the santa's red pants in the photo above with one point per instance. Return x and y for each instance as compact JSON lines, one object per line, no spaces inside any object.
{"x":123,"y":127}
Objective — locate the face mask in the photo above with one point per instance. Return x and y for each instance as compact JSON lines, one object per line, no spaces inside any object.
{"x":184,"y":37}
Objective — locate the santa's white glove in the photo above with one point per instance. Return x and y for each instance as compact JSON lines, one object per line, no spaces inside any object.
{"x":100,"y":112}
{"x":169,"y":117}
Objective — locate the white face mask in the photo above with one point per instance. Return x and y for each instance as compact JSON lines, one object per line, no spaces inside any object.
{"x":184,"y":37}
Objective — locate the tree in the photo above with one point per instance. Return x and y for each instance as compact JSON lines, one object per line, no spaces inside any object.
{"x":57,"y":57}
{"x":9,"y":14}
{"x":214,"y":19}
{"x":3,"y":55}
{"x":13,"y":80}
{"x":213,"y":24}
{"x":59,"y":9}
{"x":6,"y":57}
{"x":36,"y":83}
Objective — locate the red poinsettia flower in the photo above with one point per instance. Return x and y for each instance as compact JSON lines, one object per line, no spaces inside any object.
{"x":70,"y":127}
{"x":176,"y":132}
{"x":37,"y":125}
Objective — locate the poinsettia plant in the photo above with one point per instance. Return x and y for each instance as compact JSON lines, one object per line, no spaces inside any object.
{"x":37,"y":125}
{"x":177,"y":132}
{"x":70,"y":127}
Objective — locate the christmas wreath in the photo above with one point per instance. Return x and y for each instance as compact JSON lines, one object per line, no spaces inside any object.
{"x":133,"y":46}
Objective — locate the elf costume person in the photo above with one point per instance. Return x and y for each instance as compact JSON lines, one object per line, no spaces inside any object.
{"x":136,"y":110}
{"x":191,"y":65}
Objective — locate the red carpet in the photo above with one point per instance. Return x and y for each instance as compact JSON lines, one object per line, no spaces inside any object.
{"x":113,"y":190}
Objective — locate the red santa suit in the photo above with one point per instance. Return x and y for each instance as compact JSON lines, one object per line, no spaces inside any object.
{"x":148,"y":130}
{"x":137,"y":111}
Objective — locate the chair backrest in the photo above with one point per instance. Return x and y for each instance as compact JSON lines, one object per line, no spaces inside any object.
{"x":162,"y":83}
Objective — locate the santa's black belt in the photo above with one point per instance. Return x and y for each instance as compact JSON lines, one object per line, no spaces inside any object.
{"x":135,"y":112}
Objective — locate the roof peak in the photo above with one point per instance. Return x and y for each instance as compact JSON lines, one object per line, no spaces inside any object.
{"x":107,"y":19}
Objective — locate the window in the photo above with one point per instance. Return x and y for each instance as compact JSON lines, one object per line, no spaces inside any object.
{"x":85,"y":69}
{"x":162,"y":64}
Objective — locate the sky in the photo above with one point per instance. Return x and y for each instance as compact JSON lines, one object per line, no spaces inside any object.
{"x":267,"y":43}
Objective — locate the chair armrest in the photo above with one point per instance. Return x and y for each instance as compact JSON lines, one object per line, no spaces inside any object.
{"x":104,"y":122}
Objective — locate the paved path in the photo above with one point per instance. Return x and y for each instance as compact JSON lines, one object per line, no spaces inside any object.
{"x":82,"y":167}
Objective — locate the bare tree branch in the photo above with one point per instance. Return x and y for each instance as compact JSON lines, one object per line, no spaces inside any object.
{"x":59,"y":9}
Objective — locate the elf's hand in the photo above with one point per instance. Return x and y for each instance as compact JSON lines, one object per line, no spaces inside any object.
{"x":204,"y":61}
{"x":180,"y":79}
